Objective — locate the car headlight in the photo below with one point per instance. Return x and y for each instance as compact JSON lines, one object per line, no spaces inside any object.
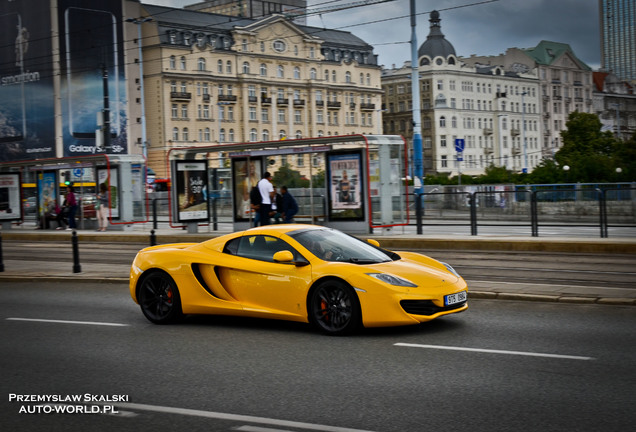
{"x":451,"y":269}
{"x":392,"y":280}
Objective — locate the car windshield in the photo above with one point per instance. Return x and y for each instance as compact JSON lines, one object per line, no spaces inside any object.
{"x":333,"y":245}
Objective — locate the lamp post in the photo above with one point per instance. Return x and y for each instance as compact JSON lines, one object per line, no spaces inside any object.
{"x":566,"y":168}
{"x":139,"y":22}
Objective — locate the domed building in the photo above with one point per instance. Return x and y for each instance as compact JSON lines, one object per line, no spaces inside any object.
{"x":436,"y":45}
{"x":485,"y":105}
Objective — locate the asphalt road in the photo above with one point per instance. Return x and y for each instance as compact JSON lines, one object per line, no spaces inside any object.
{"x":500,"y":366}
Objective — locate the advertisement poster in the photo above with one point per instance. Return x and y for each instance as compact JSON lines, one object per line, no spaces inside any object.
{"x":47,"y":192}
{"x":345,"y":187}
{"x":192,"y":191}
{"x":91,"y":48}
{"x":27,"y":113}
{"x":374,"y":178}
{"x":102,"y":177}
{"x":244,"y":180}
{"x":10,"y":206}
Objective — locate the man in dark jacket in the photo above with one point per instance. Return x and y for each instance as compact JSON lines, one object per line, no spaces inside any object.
{"x":289,"y":206}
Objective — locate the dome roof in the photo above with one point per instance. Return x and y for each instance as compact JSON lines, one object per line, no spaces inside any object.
{"x":436,"y":44}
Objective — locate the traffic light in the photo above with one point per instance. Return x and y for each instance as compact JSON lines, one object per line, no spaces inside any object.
{"x":66,"y":177}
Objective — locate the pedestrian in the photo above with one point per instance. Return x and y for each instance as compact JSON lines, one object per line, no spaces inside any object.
{"x":289,"y":206}
{"x":255,"y":204}
{"x":61,"y":215}
{"x":277,"y":205}
{"x":101,"y":207}
{"x":71,"y":204}
{"x":267,"y":194}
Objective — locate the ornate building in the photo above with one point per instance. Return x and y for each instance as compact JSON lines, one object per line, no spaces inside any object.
{"x":492,"y":107}
{"x":213,"y":78}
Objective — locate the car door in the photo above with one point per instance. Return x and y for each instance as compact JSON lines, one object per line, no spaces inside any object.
{"x":265,"y":287}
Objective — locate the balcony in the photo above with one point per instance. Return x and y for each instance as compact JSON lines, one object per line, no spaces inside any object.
{"x":282,"y":101}
{"x":333,"y":104}
{"x":206,"y":97}
{"x":367,"y":107}
{"x":514,"y":132}
{"x":557,"y":97}
{"x":266,"y":100}
{"x":299,"y":102}
{"x":252,"y":99}
{"x":227,"y":98}
{"x":516,"y":151}
{"x":546,"y":115}
{"x":488,"y":150}
{"x":487,"y":131}
{"x":547,"y":132}
{"x":320,"y":103}
{"x":183,"y":96}
{"x":352,"y":105}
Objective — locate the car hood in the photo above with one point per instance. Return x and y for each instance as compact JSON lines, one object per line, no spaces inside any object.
{"x":421,"y":274}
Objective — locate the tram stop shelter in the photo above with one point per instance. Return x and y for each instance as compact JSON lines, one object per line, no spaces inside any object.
{"x":356,"y":182}
{"x":43,"y":180}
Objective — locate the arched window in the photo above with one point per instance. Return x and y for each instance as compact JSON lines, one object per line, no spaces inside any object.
{"x":282,"y":134}
{"x":368,"y":79}
{"x":312,"y":73}
{"x":228,"y":67}
{"x":361,"y":79}
{"x":442,"y":121}
{"x":222,"y":135}
{"x":206,"y":135}
{"x":296,"y":72}
{"x":326,"y":75}
{"x":246,"y":68}
{"x":231,"y":135}
{"x":186,"y":134}
{"x":281,"y":71}
{"x":348,"y":77}
{"x":263,"y":70}
{"x":201,"y":64}
{"x":182,"y":60}
{"x":333,"y":76}
{"x":454,"y":122}
{"x":175,"y":134}
{"x":265,"y":135}
{"x":253,"y":135}
{"x":219,"y":66}
{"x":320,"y":133}
{"x":173,"y":62}
{"x":299,"y":134}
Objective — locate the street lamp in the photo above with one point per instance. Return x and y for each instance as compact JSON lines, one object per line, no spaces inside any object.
{"x":139,"y":22}
{"x":566,"y":168}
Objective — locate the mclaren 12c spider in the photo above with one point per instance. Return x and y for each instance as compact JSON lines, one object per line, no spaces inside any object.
{"x":295,"y":272}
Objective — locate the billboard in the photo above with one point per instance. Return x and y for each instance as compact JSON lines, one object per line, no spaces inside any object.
{"x":191,"y":190}
{"x":92,"y":62}
{"x":344,"y":174}
{"x":27,"y":112}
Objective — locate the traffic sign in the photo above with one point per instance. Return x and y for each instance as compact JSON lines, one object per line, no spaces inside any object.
{"x":459,"y":145}
{"x":78,"y":172}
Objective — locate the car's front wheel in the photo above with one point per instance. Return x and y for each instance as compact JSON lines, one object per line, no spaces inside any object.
{"x":159,"y":298}
{"x":334,"y":308}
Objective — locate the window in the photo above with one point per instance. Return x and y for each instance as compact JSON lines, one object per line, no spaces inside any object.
{"x":296,"y":72}
{"x":282,"y":134}
{"x":299,"y":134}
{"x":246,"y":68}
{"x":173,"y":62}
{"x":206,"y":111}
{"x":442,"y":121}
{"x":230,"y":113}
{"x":280,"y":73}
{"x":348,"y":77}
{"x":312,"y":73}
{"x":186,"y":135}
{"x":312,"y":52}
{"x":444,"y":162}
{"x":253,"y":135}
{"x":222,"y":135}
{"x":184,"y":87}
{"x":265,"y":115}
{"x":244,"y":44}
{"x":281,"y":115}
{"x":219,"y":66}
{"x":182,"y":62}
{"x":279,"y":46}
{"x":201,"y":64}
{"x":175,"y":134}
{"x":265,"y":135}
{"x":263,"y":69}
{"x":175,"y":111}
{"x":333,"y":76}
{"x":221,"y":112}
{"x":206,"y":135}
{"x":231,"y":135}
{"x":259,"y":247}
{"x":228,"y":67}
{"x":297,"y":116}
{"x":184,"y":111}
{"x":252,"y":113}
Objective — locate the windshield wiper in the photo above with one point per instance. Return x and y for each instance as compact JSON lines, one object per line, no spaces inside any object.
{"x":364,"y":261}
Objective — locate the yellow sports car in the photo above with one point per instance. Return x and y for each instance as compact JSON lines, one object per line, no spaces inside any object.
{"x":295,"y":272}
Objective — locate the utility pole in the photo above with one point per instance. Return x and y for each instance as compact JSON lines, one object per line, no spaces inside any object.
{"x":415,"y":96}
{"x":106,"y":112}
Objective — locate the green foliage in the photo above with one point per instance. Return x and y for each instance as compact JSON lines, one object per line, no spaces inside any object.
{"x":285,"y":176}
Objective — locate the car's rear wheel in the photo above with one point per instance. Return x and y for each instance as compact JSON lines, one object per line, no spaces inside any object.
{"x":334,"y":308}
{"x":159,"y":298}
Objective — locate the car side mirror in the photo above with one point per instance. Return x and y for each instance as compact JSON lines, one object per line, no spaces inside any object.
{"x":373,"y":242}
{"x":284,"y":256}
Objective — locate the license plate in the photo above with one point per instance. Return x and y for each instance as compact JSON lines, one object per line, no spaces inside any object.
{"x":452,"y":299}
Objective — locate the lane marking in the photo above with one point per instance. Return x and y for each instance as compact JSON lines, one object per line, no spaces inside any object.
{"x":69,"y":322}
{"x":260,"y":429}
{"x":521,"y":353}
{"x":469,"y":281}
{"x":236,"y":417}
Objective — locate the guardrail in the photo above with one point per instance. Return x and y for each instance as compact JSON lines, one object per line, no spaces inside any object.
{"x":602,"y":208}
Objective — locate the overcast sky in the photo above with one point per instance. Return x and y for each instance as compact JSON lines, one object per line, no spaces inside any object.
{"x":482,"y":27}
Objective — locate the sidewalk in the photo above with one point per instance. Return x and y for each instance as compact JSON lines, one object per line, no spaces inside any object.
{"x":109,"y":273}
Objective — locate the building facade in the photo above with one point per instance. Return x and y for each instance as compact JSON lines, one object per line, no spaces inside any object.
{"x":618,"y":38}
{"x":254,"y":8}
{"x":494,"y":109}
{"x":209,"y":79}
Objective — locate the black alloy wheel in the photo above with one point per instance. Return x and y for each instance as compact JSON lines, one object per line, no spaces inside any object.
{"x":159,"y":298}
{"x":334,"y":308}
